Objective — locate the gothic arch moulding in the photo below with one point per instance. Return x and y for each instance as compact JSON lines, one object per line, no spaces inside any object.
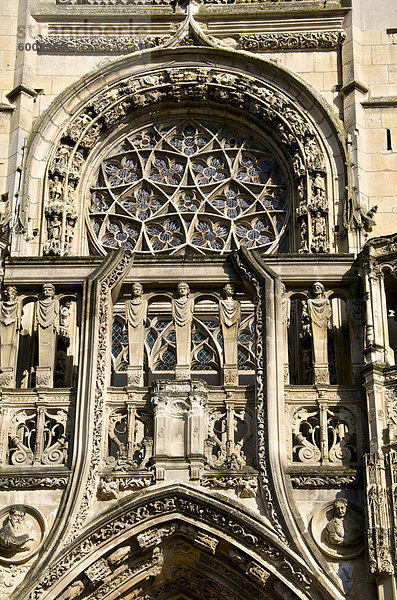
{"x":177,"y":541}
{"x":275,"y":113}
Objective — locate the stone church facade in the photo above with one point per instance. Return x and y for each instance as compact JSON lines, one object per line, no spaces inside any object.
{"x":198,"y":322}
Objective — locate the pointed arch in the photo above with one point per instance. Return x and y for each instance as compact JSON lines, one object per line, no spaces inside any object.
{"x":136,"y":548}
{"x":298,"y":124}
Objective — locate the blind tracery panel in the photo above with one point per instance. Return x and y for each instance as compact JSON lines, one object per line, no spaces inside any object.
{"x":213,"y":187}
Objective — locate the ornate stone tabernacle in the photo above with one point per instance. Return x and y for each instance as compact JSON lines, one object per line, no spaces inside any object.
{"x":198,"y":312}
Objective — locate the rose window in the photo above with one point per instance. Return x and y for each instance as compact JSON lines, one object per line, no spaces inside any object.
{"x":212,"y":187}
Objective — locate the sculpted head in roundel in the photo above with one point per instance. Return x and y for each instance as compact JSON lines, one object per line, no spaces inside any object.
{"x":211,"y":186}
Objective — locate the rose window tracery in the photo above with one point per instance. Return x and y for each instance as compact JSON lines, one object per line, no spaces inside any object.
{"x":214,"y":187}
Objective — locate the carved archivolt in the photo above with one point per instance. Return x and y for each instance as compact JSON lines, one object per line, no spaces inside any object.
{"x":291,"y":130}
{"x":258,"y":556}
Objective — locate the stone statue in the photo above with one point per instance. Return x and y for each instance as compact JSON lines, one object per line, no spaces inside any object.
{"x":47,"y":316}
{"x":183,"y":306}
{"x":319,"y":187}
{"x":136,"y":312}
{"x":319,"y":309}
{"x":108,"y":489}
{"x":10,"y":322}
{"x":73,"y":591}
{"x":55,"y":188}
{"x":341,"y":530}
{"x":229,"y":309}
{"x":182,"y":312}
{"x":13,"y":537}
{"x":54,"y":234}
{"x":64,"y":319}
{"x":230,"y":318}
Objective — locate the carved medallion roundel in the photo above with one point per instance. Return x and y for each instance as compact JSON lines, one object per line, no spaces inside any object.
{"x":207,"y":185}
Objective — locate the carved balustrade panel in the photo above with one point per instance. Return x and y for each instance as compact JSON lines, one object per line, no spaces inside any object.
{"x":229,"y":443}
{"x":218,"y":432}
{"x":327,"y":432}
{"x":35,"y":433}
{"x":130,"y":438}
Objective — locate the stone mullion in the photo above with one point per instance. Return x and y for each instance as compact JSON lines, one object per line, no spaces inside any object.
{"x":131,"y":420}
{"x":229,"y":429}
{"x":39,"y":441}
{"x":323,"y":410}
{"x":4,"y":423}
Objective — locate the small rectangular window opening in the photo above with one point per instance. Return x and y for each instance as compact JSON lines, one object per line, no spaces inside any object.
{"x":388,"y":140}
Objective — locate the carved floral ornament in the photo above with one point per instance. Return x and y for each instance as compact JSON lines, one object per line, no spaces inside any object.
{"x":193,"y":166}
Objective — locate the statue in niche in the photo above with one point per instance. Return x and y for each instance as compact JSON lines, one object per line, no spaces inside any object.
{"x":47,"y":315}
{"x":183,"y":306}
{"x":136,"y":312}
{"x":182,"y":313}
{"x":136,"y":309}
{"x":319,"y":233}
{"x":69,"y":232}
{"x":10,"y":322}
{"x":13,"y":536}
{"x":319,"y":187}
{"x":9,"y":313}
{"x":73,"y":591}
{"x":64,"y":319}
{"x":319,"y":225}
{"x":47,"y":309}
{"x":303,"y":235}
{"x":230,"y":318}
{"x":355,"y":309}
{"x":55,"y":188}
{"x":342,"y":530}
{"x":319,"y":309}
{"x":54,"y":228}
{"x":54,"y":234}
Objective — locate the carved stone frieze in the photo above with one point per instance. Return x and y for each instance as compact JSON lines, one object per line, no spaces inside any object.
{"x":152,"y":566}
{"x":320,"y":420}
{"x":22,"y":482}
{"x":49,"y":446}
{"x":269,"y":42}
{"x":154,"y":537}
{"x":245,"y":486}
{"x":98,"y":571}
{"x":10,"y":577}
{"x":328,"y":481}
{"x":107,"y":44}
{"x":111,"y":2}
